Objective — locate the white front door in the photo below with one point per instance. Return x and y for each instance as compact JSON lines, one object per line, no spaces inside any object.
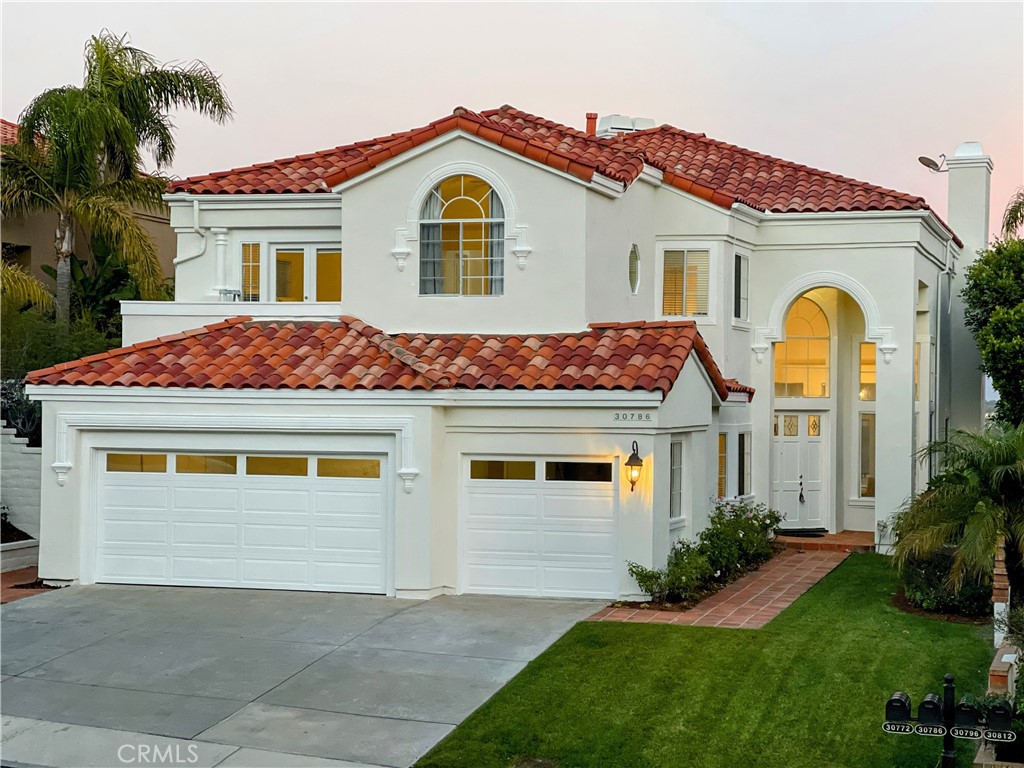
{"x":539,"y":527}
{"x":799,"y":487}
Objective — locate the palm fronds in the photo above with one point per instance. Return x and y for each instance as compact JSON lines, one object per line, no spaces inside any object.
{"x":18,"y":287}
{"x":1013,"y":216}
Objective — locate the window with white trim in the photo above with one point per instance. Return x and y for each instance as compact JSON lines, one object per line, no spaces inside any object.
{"x":634,"y":269}
{"x":744,"y":456}
{"x":300,"y":272}
{"x":462,"y":239}
{"x":685,"y":286}
{"x":741,"y":287}
{"x":723,"y":464}
{"x":675,"y":487}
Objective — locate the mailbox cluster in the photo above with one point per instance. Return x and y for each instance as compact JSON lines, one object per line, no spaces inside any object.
{"x":932,"y":721}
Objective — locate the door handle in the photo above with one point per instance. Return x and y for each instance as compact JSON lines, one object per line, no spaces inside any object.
{"x":802,"y":499}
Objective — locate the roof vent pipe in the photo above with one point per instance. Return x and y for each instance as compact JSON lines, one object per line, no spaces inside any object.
{"x":591,"y":123}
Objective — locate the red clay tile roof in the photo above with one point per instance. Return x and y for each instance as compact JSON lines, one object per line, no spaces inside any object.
{"x":735,"y":387}
{"x":351,"y":355}
{"x":721,"y":173}
{"x":8,"y":132}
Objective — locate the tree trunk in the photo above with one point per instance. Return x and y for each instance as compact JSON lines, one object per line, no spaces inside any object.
{"x":64,"y":244}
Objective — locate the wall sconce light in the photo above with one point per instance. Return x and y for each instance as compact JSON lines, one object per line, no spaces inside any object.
{"x":634,"y":464}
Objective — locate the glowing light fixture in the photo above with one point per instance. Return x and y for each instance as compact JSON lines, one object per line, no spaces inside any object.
{"x":633,"y":465}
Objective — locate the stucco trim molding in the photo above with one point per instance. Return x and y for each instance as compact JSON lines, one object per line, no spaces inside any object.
{"x":882,"y":335}
{"x":516,"y":234}
{"x":70,"y":423}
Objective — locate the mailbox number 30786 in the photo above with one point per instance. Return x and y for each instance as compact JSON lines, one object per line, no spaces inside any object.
{"x":632,"y":416}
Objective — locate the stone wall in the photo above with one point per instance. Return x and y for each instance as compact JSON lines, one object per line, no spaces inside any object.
{"x":19,"y":480}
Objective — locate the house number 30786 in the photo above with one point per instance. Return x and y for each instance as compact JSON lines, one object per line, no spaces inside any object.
{"x":632,"y":416}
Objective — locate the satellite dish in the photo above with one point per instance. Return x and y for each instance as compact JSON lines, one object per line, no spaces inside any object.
{"x":930,"y":164}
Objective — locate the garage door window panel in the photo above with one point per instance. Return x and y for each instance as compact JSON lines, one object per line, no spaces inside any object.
{"x":352,"y":468}
{"x":190,"y":464}
{"x":484,"y":469}
{"x":136,"y":462}
{"x":291,"y":466}
{"x":578,"y":471}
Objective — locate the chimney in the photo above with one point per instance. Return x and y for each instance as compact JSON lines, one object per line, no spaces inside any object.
{"x":591,"y":123}
{"x":970,"y":171}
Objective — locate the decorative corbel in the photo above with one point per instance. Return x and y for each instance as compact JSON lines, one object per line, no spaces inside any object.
{"x":887,"y":350}
{"x":400,"y":254}
{"x":61,"y":468}
{"x":408,"y":475}
{"x":521,"y":252}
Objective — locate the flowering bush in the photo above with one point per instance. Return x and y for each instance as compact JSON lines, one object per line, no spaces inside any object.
{"x":738,"y":538}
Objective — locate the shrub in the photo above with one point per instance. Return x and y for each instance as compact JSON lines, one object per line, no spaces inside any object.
{"x":737,"y":539}
{"x":926,"y":586}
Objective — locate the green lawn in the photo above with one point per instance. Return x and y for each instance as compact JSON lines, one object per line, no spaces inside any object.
{"x":807,"y":690}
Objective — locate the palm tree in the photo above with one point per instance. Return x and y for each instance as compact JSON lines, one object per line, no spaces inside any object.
{"x":60,"y":173}
{"x":80,"y":153}
{"x":19,"y":287}
{"x":972,"y":506}
{"x":1013,"y":216}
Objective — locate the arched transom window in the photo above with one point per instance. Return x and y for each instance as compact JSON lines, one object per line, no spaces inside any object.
{"x":802,"y":360}
{"x":462,"y":239}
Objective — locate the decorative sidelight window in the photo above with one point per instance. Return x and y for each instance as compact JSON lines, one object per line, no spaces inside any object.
{"x":802,"y":360}
{"x":462,"y":239}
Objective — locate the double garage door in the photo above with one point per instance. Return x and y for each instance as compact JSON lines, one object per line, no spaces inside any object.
{"x":243,"y":520}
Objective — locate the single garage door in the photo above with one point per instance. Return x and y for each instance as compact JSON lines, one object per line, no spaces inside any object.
{"x":541,"y":527}
{"x":243,"y":520}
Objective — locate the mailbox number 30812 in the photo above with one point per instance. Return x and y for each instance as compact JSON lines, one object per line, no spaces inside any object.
{"x":632,"y":416}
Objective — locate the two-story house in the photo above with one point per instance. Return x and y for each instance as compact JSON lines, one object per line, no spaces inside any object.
{"x":501,"y":355}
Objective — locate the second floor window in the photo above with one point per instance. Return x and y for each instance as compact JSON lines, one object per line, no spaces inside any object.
{"x":685,"y":284}
{"x":294,"y":273}
{"x":741,"y":286}
{"x":462,"y":239}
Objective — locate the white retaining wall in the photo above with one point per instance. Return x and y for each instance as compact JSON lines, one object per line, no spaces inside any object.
{"x":19,"y":480}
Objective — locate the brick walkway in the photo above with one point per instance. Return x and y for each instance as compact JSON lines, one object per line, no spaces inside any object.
{"x":749,"y":602}
{"x":8,"y":594}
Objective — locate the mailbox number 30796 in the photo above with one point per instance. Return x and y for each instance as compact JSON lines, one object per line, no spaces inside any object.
{"x":632,"y":416}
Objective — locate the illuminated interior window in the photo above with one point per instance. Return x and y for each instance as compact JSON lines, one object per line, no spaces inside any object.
{"x":289,"y":274}
{"x":917,"y":371}
{"x":482,"y":469}
{"x":868,"y":372}
{"x":723,"y":463}
{"x":328,"y":274}
{"x":187,"y":464}
{"x":867,"y":455}
{"x":136,"y":462}
{"x":357,"y":468}
{"x":250,"y":272}
{"x":685,"y":283}
{"x":277,"y":465}
{"x":802,"y":360}
{"x":462,"y":239}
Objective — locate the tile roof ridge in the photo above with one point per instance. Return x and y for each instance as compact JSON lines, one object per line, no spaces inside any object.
{"x":790,"y":163}
{"x":436,"y":377}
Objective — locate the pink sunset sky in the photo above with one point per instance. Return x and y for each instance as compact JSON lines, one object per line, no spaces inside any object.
{"x":858,"y":89}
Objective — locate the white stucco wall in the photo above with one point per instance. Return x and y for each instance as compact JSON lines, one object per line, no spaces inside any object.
{"x":19,"y":480}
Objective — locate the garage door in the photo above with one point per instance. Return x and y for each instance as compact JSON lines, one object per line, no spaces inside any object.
{"x":542,"y":527}
{"x":237,"y":520}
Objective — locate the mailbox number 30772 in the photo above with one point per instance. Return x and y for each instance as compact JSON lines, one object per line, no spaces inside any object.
{"x":632,"y":416}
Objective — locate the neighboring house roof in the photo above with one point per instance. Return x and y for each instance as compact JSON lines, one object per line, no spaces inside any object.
{"x":350,"y":355}
{"x":722,"y":173}
{"x":735,"y":387}
{"x":8,"y":132}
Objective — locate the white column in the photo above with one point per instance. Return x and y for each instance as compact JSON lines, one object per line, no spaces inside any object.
{"x":761,"y":416}
{"x":894,"y":416}
{"x":220,"y":235}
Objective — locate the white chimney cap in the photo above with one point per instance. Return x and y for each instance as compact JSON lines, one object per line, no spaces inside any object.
{"x":969,"y":149}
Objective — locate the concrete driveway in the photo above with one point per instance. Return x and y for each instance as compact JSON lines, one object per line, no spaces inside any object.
{"x":94,"y":675}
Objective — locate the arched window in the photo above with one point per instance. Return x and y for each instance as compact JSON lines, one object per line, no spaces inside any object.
{"x":802,"y":360}
{"x":462,"y":239}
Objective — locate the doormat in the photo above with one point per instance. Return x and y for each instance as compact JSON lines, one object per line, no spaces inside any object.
{"x":804,"y":533}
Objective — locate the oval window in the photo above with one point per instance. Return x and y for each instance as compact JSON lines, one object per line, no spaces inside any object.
{"x":634,"y":269}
